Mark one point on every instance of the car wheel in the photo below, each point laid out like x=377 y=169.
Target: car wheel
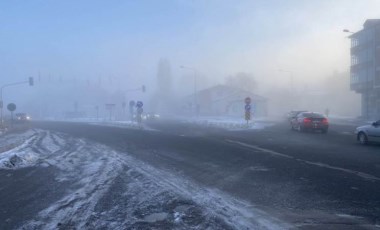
x=362 y=138
x=301 y=129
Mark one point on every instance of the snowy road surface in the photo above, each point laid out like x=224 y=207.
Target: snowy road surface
x=86 y=185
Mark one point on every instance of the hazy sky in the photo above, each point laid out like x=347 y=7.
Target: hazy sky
x=127 y=38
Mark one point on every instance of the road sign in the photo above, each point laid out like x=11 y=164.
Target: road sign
x=247 y=107
x=139 y=104
x=11 y=107
x=247 y=100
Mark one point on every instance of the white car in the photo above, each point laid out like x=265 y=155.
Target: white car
x=368 y=133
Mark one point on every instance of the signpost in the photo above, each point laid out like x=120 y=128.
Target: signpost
x=247 y=109
x=97 y=112
x=131 y=106
x=11 y=107
x=139 y=111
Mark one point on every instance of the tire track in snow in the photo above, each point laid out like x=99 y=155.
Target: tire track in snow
x=91 y=169
x=90 y=174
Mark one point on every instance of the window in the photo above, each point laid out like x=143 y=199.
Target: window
x=354 y=78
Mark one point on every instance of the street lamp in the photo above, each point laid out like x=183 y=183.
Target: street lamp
x=367 y=75
x=195 y=87
x=347 y=31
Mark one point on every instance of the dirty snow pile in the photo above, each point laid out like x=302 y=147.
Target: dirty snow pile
x=15 y=151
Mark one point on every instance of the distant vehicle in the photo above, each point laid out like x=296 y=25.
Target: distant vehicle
x=368 y=133
x=152 y=116
x=21 y=117
x=310 y=121
x=293 y=114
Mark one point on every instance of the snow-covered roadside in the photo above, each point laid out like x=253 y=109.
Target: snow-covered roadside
x=113 y=123
x=229 y=123
x=113 y=190
x=14 y=152
x=124 y=124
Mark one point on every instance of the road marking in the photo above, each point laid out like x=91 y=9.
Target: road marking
x=261 y=149
x=318 y=164
x=347 y=133
x=360 y=174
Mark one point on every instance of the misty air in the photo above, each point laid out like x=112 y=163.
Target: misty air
x=190 y=114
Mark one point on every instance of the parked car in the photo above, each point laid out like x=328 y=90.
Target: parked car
x=368 y=133
x=152 y=116
x=310 y=121
x=293 y=114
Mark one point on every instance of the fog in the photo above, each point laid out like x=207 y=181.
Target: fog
x=86 y=54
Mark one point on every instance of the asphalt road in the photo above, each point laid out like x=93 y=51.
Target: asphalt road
x=307 y=180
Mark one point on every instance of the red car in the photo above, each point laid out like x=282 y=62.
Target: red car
x=310 y=121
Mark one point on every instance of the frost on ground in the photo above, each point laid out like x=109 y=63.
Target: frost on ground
x=113 y=123
x=230 y=123
x=15 y=151
x=106 y=189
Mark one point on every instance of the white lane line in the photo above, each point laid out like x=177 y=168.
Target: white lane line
x=348 y=133
x=261 y=149
x=360 y=174
x=319 y=164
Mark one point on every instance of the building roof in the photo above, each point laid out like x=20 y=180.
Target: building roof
x=371 y=22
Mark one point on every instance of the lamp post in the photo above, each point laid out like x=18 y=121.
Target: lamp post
x=195 y=87
x=367 y=74
x=31 y=83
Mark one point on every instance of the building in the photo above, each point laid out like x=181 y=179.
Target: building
x=222 y=100
x=365 y=67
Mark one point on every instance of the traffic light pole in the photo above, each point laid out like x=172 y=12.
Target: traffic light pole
x=30 y=81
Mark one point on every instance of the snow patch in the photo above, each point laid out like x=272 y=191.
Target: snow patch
x=232 y=124
x=156 y=217
x=19 y=157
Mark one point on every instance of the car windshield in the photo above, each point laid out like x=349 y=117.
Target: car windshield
x=189 y=114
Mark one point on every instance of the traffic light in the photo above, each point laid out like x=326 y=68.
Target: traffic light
x=143 y=88
x=31 y=81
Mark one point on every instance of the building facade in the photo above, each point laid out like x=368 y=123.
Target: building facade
x=365 y=67
x=222 y=100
